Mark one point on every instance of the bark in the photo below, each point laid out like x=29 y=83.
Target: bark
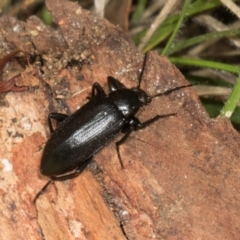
x=181 y=176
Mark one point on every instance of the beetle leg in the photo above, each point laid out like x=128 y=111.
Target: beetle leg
x=120 y=142
x=78 y=171
x=135 y=124
x=114 y=84
x=140 y=125
x=56 y=116
x=42 y=190
x=97 y=90
x=132 y=124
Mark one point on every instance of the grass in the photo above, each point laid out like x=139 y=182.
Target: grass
x=200 y=37
x=180 y=52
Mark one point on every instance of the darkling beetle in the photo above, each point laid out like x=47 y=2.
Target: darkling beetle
x=80 y=136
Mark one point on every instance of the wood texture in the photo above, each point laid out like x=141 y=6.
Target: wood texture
x=181 y=176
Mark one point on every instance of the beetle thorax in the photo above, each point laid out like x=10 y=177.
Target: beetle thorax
x=128 y=101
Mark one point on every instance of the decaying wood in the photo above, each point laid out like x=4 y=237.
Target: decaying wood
x=181 y=176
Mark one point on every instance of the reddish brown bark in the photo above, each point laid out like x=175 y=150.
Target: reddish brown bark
x=181 y=176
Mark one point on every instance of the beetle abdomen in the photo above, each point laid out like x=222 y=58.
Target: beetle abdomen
x=81 y=136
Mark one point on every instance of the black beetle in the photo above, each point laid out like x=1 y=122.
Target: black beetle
x=80 y=136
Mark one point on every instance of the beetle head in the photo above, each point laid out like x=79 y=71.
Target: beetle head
x=115 y=85
x=143 y=98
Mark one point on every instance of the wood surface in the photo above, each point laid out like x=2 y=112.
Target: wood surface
x=182 y=174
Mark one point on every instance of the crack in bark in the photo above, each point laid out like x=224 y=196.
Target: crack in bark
x=123 y=230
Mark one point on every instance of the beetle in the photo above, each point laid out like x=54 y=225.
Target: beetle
x=81 y=135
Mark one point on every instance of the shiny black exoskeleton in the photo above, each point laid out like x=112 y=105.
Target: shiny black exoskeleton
x=80 y=136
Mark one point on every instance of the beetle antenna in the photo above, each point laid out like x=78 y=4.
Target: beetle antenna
x=172 y=90
x=142 y=71
x=42 y=190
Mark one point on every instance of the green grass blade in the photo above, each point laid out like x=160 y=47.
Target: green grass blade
x=179 y=23
x=170 y=23
x=195 y=40
x=232 y=101
x=141 y=5
x=205 y=64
